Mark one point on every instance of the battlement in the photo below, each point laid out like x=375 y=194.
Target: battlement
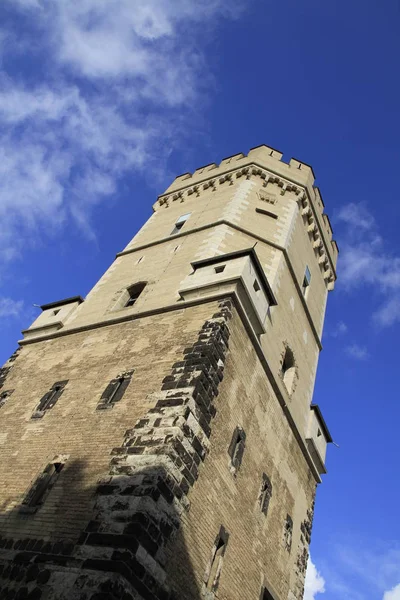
x=266 y=156
x=264 y=162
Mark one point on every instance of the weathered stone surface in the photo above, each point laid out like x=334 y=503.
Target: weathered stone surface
x=147 y=486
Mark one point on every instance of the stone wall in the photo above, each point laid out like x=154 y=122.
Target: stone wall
x=148 y=484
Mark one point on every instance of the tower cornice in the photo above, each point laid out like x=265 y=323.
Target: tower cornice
x=307 y=195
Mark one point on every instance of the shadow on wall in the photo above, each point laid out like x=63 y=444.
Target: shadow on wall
x=121 y=554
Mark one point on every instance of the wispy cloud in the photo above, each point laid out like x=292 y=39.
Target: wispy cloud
x=356 y=569
x=357 y=352
x=315 y=583
x=10 y=307
x=365 y=261
x=112 y=92
x=339 y=329
x=393 y=594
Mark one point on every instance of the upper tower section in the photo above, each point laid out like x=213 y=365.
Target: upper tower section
x=252 y=228
x=274 y=182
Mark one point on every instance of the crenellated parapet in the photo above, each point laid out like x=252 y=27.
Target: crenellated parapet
x=265 y=164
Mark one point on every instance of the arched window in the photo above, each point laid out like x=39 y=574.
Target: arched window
x=134 y=292
x=288 y=370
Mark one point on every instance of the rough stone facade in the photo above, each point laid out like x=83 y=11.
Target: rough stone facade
x=199 y=483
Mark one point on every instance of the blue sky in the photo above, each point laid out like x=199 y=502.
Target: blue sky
x=100 y=108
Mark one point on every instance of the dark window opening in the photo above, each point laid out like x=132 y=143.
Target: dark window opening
x=268 y=213
x=134 y=292
x=42 y=486
x=288 y=361
x=288 y=370
x=220 y=269
x=256 y=286
x=306 y=282
x=236 y=448
x=265 y=494
x=4 y=396
x=49 y=399
x=265 y=595
x=214 y=569
x=180 y=223
x=56 y=312
x=288 y=533
x=114 y=391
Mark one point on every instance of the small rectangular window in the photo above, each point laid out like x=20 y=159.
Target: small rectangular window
x=4 y=396
x=265 y=494
x=114 y=391
x=306 y=281
x=213 y=571
x=42 y=486
x=268 y=213
x=134 y=292
x=265 y=595
x=288 y=533
x=49 y=399
x=180 y=223
x=236 y=449
x=219 y=269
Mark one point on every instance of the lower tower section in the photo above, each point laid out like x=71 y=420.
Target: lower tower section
x=207 y=494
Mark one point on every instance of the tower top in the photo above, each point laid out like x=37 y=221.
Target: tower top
x=264 y=162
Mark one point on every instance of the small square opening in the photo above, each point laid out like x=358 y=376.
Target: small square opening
x=220 y=268
x=256 y=286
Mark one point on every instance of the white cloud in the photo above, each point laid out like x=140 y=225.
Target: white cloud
x=10 y=308
x=315 y=583
x=113 y=93
x=393 y=594
x=364 y=262
x=339 y=329
x=357 y=215
x=357 y=352
x=376 y=564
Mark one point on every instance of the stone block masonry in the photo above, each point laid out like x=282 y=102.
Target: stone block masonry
x=140 y=513
x=152 y=445
x=137 y=508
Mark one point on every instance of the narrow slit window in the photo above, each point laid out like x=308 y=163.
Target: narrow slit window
x=306 y=282
x=265 y=494
x=134 y=292
x=42 y=486
x=115 y=391
x=288 y=533
x=288 y=370
x=213 y=572
x=49 y=399
x=180 y=223
x=220 y=269
x=236 y=449
x=4 y=397
x=267 y=213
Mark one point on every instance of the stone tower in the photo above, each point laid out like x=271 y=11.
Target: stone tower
x=158 y=439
